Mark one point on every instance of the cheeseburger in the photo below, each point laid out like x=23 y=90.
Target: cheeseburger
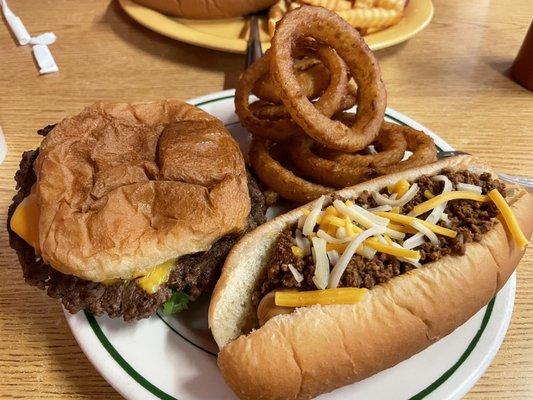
x=128 y=207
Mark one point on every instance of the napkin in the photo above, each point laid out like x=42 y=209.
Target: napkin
x=40 y=43
x=44 y=59
x=16 y=25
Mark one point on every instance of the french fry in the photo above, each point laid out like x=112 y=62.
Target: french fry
x=277 y=11
x=397 y=5
x=364 y=4
x=367 y=16
x=363 y=18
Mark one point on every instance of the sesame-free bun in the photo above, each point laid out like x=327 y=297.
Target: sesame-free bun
x=317 y=349
x=124 y=187
x=207 y=9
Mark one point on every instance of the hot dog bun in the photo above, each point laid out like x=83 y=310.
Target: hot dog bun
x=320 y=348
x=207 y=9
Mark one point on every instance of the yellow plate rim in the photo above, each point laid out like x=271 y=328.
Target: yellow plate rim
x=418 y=14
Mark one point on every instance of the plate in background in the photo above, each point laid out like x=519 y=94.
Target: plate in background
x=230 y=34
x=174 y=357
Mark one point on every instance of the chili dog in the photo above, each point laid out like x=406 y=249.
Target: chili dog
x=357 y=281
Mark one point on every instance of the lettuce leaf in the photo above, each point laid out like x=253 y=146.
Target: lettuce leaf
x=178 y=302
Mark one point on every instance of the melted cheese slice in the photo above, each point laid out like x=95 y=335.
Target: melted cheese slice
x=25 y=221
x=156 y=277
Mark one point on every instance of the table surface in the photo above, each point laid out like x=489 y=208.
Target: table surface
x=452 y=77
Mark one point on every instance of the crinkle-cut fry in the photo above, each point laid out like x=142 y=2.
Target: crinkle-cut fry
x=275 y=13
x=373 y=29
x=278 y=11
x=293 y=5
x=364 y=4
x=370 y=17
x=335 y=5
x=397 y=5
x=272 y=26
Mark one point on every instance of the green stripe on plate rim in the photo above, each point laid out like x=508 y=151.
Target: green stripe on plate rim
x=93 y=323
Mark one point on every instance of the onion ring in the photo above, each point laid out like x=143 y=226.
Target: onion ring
x=324 y=171
x=390 y=143
x=350 y=99
x=327 y=27
x=266 y=110
x=422 y=146
x=282 y=129
x=312 y=75
x=280 y=179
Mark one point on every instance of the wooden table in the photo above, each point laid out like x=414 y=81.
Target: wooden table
x=452 y=77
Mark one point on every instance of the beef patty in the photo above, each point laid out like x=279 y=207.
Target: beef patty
x=193 y=274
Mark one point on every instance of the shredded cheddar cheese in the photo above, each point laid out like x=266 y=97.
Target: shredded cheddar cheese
x=349 y=226
x=365 y=218
x=297 y=251
x=340 y=247
x=392 y=250
x=333 y=220
x=510 y=219
x=405 y=219
x=332 y=229
x=376 y=245
x=324 y=297
x=345 y=228
x=402 y=228
x=441 y=198
x=332 y=211
x=401 y=187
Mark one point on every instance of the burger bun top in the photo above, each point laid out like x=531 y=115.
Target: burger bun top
x=124 y=187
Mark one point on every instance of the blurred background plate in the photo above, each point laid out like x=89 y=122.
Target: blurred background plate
x=230 y=34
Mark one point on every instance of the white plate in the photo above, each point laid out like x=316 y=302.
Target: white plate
x=175 y=357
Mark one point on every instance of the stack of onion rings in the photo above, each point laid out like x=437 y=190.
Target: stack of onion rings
x=328 y=28
x=327 y=104
x=304 y=144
